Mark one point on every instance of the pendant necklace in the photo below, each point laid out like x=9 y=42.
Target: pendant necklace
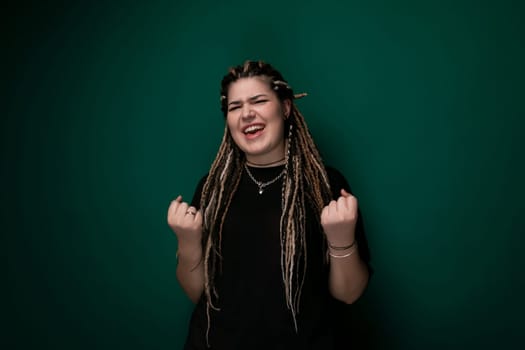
x=261 y=184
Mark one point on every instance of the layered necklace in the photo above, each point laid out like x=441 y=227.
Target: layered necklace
x=261 y=184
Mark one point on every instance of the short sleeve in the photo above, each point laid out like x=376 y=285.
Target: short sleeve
x=196 y=200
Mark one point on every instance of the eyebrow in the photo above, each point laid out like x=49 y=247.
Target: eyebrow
x=249 y=99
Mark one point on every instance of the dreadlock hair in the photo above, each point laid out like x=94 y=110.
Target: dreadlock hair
x=305 y=181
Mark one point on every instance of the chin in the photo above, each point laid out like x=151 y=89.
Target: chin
x=252 y=151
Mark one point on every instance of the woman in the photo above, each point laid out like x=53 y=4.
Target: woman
x=272 y=242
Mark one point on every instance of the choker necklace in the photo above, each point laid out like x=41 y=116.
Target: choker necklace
x=261 y=184
x=265 y=164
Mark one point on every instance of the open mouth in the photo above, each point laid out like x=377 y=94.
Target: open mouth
x=253 y=129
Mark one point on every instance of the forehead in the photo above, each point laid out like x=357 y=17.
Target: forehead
x=247 y=87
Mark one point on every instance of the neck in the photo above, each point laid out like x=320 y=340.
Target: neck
x=268 y=164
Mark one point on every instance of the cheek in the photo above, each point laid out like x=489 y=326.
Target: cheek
x=233 y=130
x=278 y=114
x=278 y=120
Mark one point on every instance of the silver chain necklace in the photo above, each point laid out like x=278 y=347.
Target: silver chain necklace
x=261 y=184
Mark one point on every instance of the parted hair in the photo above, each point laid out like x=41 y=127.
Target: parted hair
x=305 y=181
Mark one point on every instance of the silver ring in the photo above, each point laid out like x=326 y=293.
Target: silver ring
x=191 y=212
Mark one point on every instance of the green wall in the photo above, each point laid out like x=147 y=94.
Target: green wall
x=112 y=110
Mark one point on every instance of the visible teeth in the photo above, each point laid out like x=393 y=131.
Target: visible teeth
x=253 y=128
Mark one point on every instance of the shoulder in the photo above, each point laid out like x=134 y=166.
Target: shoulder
x=202 y=181
x=337 y=181
x=334 y=174
x=198 y=192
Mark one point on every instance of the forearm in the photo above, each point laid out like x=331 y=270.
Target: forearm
x=348 y=276
x=190 y=270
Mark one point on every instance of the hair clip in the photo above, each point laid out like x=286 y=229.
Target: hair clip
x=301 y=95
x=280 y=82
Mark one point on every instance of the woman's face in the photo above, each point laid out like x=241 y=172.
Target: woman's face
x=255 y=119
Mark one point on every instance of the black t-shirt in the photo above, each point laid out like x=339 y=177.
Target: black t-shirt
x=253 y=312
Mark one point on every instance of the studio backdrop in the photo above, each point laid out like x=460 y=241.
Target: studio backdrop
x=112 y=110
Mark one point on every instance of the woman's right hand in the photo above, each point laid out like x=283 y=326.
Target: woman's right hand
x=185 y=221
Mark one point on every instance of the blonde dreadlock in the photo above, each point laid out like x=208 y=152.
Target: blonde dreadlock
x=305 y=181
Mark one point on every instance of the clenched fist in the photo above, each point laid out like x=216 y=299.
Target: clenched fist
x=338 y=219
x=185 y=221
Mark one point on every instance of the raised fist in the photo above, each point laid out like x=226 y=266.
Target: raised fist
x=338 y=219
x=185 y=221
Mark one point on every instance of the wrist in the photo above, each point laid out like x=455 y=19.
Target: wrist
x=341 y=246
x=338 y=254
x=338 y=250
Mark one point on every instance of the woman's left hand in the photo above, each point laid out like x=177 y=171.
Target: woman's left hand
x=338 y=219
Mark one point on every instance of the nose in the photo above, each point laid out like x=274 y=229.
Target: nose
x=247 y=112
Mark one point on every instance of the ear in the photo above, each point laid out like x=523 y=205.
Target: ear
x=287 y=108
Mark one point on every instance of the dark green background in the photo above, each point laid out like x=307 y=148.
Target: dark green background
x=112 y=110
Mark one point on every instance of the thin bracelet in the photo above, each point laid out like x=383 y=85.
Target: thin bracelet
x=342 y=256
x=341 y=248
